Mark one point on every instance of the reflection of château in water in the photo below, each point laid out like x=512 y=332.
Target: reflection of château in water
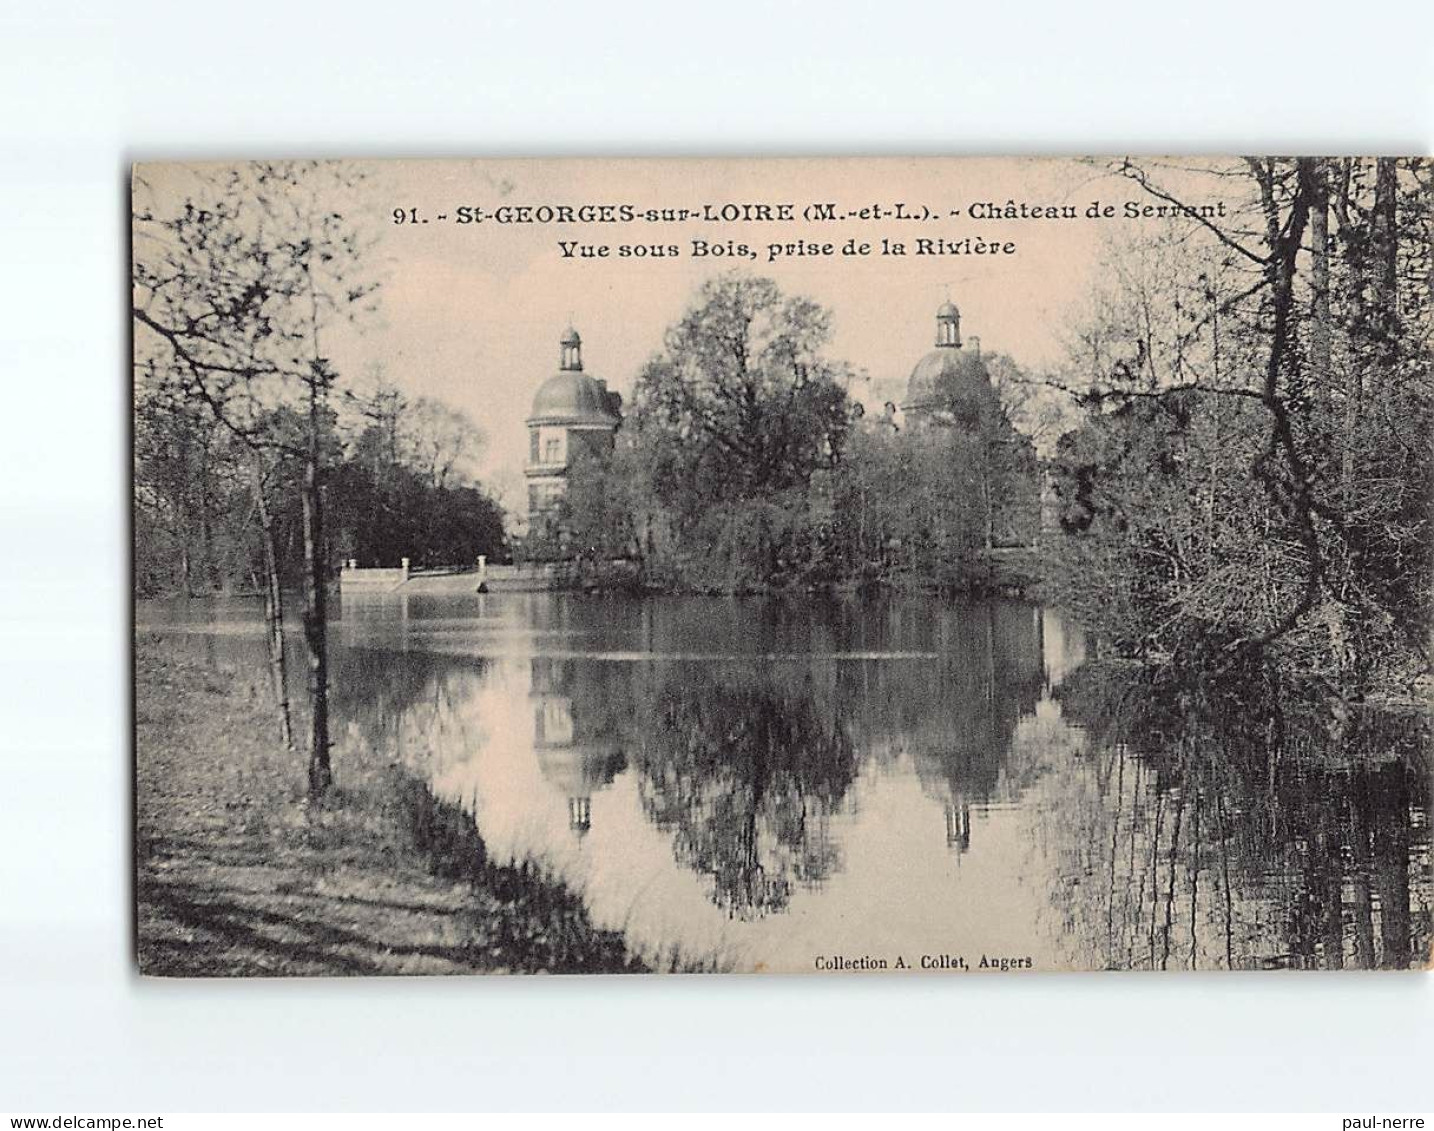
x=578 y=751
x=744 y=763
x=962 y=757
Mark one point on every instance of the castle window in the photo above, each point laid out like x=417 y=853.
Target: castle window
x=533 y=446
x=553 y=450
x=555 y=722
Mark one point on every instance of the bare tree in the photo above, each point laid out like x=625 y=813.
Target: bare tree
x=439 y=442
x=1274 y=349
x=238 y=274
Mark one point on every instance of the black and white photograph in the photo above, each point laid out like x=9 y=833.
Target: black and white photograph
x=904 y=530
x=840 y=566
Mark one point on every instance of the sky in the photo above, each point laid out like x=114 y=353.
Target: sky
x=471 y=314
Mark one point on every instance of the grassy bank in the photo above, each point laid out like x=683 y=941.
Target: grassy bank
x=235 y=877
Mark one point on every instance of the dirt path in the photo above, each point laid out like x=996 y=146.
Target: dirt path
x=234 y=877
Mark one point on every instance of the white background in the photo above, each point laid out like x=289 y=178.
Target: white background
x=82 y=92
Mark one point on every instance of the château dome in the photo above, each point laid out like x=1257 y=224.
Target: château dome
x=571 y=396
x=944 y=374
x=951 y=373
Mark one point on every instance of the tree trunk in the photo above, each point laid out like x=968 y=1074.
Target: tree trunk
x=1282 y=366
x=1319 y=282
x=316 y=615
x=207 y=571
x=1317 y=181
x=988 y=502
x=1386 y=248
x=273 y=610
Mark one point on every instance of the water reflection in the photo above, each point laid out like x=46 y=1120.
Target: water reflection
x=1213 y=830
x=745 y=771
x=578 y=735
x=778 y=780
x=961 y=749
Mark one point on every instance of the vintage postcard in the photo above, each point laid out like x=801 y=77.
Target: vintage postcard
x=932 y=566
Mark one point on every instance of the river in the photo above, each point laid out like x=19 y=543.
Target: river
x=795 y=785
